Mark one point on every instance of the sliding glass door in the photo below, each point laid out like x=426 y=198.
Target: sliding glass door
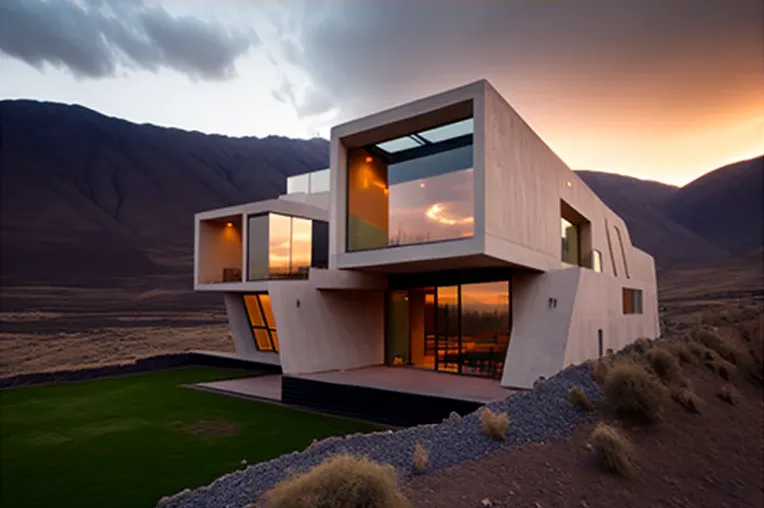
x=461 y=328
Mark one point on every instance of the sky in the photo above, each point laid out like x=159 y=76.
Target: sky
x=656 y=89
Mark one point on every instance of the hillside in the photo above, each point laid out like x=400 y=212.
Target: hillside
x=724 y=206
x=640 y=204
x=85 y=196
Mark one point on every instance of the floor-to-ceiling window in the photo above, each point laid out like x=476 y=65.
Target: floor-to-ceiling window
x=414 y=189
x=261 y=321
x=279 y=246
x=458 y=328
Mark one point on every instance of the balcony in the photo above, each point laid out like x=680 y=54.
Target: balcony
x=219 y=250
x=242 y=247
x=309 y=183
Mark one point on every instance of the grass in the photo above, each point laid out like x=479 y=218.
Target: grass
x=494 y=425
x=342 y=481
x=126 y=442
x=613 y=449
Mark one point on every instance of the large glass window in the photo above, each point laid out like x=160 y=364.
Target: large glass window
x=261 y=321
x=462 y=328
x=414 y=189
x=279 y=246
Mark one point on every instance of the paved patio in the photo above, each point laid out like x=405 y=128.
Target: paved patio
x=266 y=387
x=397 y=379
x=418 y=381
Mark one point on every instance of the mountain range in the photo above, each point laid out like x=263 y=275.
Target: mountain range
x=85 y=197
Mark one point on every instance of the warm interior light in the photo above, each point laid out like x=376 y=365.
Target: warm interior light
x=436 y=213
x=369 y=159
x=570 y=184
x=229 y=224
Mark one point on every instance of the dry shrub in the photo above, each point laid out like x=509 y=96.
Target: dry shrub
x=642 y=345
x=494 y=425
x=663 y=363
x=421 y=458
x=577 y=397
x=682 y=352
x=341 y=481
x=729 y=348
x=635 y=393
x=698 y=350
x=599 y=370
x=725 y=393
x=686 y=398
x=613 y=449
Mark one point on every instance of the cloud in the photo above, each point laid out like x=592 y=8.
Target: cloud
x=378 y=53
x=93 y=39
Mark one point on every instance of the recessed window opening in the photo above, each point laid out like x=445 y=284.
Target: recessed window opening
x=632 y=301
x=623 y=252
x=610 y=248
x=412 y=189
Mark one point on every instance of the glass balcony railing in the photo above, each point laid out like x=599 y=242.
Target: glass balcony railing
x=309 y=183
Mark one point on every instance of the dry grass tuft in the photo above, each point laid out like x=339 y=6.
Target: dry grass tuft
x=686 y=398
x=577 y=397
x=421 y=458
x=725 y=394
x=635 y=393
x=613 y=449
x=494 y=425
x=341 y=481
x=599 y=370
x=682 y=352
x=663 y=363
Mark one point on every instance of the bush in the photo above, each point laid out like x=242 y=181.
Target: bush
x=663 y=363
x=682 y=352
x=494 y=425
x=635 y=393
x=577 y=397
x=421 y=458
x=614 y=450
x=686 y=398
x=341 y=481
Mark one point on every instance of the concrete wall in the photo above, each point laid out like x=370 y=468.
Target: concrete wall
x=545 y=339
x=329 y=330
x=539 y=332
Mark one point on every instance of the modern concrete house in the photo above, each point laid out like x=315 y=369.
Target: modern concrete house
x=446 y=237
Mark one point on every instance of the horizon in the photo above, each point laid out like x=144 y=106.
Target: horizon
x=605 y=96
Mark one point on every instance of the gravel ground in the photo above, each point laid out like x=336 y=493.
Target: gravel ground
x=537 y=416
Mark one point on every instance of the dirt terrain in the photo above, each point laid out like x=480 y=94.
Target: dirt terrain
x=713 y=458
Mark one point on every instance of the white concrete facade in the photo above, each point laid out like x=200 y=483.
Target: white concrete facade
x=562 y=314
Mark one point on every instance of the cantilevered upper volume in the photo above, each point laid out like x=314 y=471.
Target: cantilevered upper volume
x=445 y=236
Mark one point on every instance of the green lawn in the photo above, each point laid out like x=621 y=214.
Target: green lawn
x=128 y=441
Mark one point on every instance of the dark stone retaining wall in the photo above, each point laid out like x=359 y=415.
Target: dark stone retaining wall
x=150 y=364
x=373 y=404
